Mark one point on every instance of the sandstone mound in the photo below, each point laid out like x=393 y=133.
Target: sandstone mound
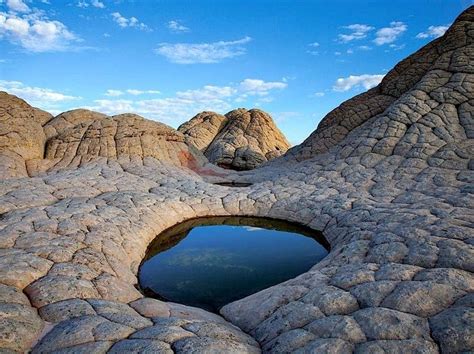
x=69 y=119
x=440 y=69
x=21 y=135
x=203 y=128
x=249 y=139
x=123 y=137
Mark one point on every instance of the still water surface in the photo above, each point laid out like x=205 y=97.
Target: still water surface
x=210 y=262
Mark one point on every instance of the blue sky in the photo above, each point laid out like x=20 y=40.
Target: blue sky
x=168 y=60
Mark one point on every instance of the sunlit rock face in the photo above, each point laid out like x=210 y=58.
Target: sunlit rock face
x=21 y=135
x=240 y=140
x=392 y=193
x=201 y=130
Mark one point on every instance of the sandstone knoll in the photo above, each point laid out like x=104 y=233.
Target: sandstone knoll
x=35 y=139
x=124 y=136
x=390 y=186
x=249 y=139
x=240 y=140
x=203 y=128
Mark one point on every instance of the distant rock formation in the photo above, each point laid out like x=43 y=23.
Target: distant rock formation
x=32 y=140
x=124 y=136
x=240 y=140
x=203 y=128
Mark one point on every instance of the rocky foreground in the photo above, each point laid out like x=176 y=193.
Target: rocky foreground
x=388 y=177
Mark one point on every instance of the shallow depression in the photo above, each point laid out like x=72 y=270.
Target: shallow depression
x=210 y=262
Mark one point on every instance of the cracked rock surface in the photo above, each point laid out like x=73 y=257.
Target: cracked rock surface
x=240 y=140
x=387 y=177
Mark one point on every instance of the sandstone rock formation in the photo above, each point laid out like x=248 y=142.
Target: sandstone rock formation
x=124 y=136
x=203 y=128
x=21 y=135
x=240 y=140
x=248 y=139
x=392 y=193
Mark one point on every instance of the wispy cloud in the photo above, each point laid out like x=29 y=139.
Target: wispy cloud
x=36 y=96
x=184 y=104
x=125 y=22
x=357 y=31
x=433 y=32
x=35 y=32
x=390 y=34
x=367 y=81
x=176 y=27
x=319 y=94
x=203 y=53
x=133 y=92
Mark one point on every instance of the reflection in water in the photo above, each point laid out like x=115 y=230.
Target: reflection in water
x=209 y=262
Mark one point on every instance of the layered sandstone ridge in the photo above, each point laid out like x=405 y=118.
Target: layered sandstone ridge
x=392 y=195
x=241 y=140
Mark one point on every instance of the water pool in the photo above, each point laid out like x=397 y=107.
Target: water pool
x=210 y=262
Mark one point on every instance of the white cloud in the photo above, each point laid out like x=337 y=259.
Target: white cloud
x=176 y=27
x=142 y=92
x=433 y=32
x=17 y=5
x=390 y=34
x=367 y=81
x=364 y=47
x=191 y=53
x=98 y=4
x=397 y=47
x=314 y=44
x=128 y=22
x=133 y=92
x=35 y=33
x=82 y=4
x=260 y=87
x=319 y=94
x=35 y=96
x=185 y=104
x=357 y=31
x=114 y=93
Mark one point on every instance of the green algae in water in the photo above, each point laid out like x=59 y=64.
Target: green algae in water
x=210 y=262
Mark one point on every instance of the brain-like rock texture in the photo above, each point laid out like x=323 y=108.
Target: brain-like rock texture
x=203 y=128
x=125 y=136
x=248 y=139
x=390 y=186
